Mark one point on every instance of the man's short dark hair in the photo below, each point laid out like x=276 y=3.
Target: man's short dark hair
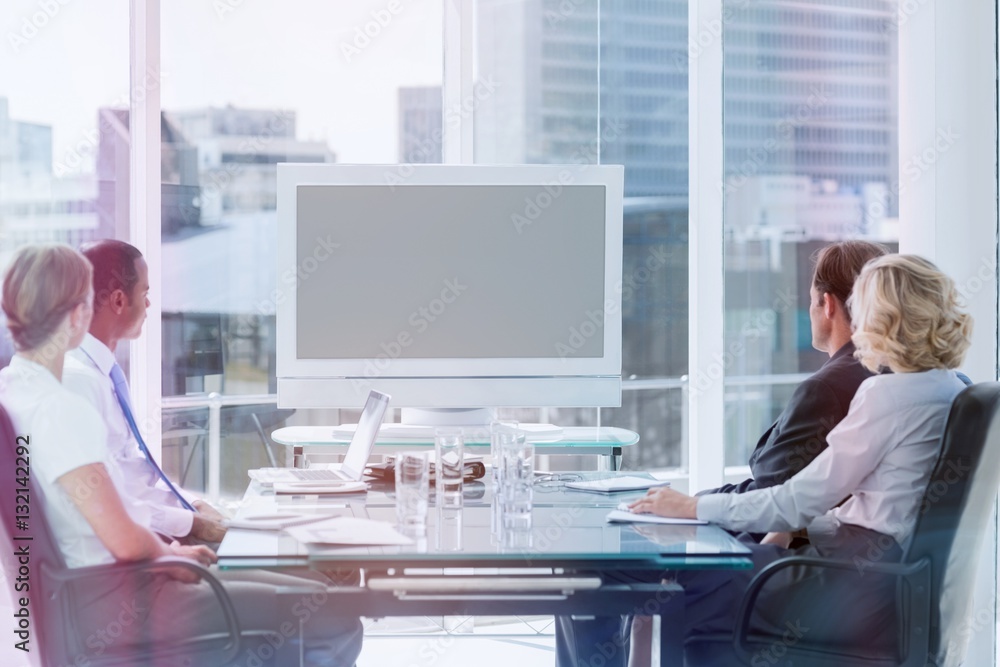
x=838 y=266
x=114 y=268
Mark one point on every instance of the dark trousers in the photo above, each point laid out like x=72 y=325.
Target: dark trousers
x=823 y=605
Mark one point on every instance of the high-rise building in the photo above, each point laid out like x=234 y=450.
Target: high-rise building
x=238 y=150
x=810 y=88
x=35 y=204
x=25 y=149
x=809 y=144
x=420 y=124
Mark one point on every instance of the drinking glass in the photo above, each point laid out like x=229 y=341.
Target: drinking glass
x=412 y=490
x=449 y=467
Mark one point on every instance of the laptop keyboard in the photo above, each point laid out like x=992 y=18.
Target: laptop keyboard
x=315 y=475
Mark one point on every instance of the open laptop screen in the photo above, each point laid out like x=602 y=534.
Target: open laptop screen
x=364 y=436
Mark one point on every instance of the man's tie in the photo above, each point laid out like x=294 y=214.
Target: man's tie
x=121 y=392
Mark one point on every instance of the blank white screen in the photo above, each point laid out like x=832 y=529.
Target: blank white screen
x=448 y=271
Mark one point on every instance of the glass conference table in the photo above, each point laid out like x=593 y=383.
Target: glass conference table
x=604 y=441
x=466 y=567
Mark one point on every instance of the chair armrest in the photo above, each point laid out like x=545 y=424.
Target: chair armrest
x=918 y=574
x=70 y=575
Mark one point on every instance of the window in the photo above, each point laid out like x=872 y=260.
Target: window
x=630 y=109
x=64 y=91
x=302 y=81
x=809 y=158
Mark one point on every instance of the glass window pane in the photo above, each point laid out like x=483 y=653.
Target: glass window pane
x=246 y=86
x=64 y=141
x=810 y=112
x=606 y=83
x=270 y=82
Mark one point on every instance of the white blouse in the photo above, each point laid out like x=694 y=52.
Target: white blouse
x=64 y=433
x=881 y=455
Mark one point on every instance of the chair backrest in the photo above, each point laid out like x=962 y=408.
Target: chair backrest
x=955 y=514
x=48 y=636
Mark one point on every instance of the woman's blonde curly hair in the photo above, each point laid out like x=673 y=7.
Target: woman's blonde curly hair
x=906 y=316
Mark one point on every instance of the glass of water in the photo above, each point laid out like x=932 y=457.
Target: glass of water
x=516 y=479
x=449 y=467
x=412 y=490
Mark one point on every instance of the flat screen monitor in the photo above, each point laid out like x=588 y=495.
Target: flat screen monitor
x=449 y=286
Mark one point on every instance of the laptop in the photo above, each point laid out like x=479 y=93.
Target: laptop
x=358 y=452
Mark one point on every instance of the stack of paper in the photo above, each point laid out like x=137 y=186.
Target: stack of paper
x=276 y=521
x=613 y=484
x=350 y=531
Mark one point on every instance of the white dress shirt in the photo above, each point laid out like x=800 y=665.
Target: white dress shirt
x=881 y=455
x=64 y=433
x=87 y=373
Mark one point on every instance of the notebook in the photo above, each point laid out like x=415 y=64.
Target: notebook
x=358 y=453
x=615 y=484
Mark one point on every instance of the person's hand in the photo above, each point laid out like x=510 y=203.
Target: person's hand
x=198 y=553
x=208 y=511
x=781 y=539
x=666 y=502
x=207 y=529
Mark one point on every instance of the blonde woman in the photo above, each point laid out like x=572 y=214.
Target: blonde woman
x=860 y=497
x=47 y=298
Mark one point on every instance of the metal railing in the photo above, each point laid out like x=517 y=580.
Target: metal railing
x=214 y=402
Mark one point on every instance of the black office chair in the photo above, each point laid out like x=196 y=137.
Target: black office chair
x=934 y=581
x=53 y=593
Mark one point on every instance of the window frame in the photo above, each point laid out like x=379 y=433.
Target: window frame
x=932 y=40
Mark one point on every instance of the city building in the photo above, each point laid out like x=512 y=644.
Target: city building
x=420 y=124
x=237 y=151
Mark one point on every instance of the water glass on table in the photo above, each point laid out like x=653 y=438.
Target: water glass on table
x=516 y=480
x=449 y=467
x=412 y=491
x=501 y=430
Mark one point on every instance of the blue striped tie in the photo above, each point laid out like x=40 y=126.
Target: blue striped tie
x=121 y=392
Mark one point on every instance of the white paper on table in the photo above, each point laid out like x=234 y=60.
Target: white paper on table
x=332 y=486
x=275 y=521
x=614 y=484
x=349 y=530
x=624 y=516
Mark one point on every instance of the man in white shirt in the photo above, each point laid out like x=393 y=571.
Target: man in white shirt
x=121 y=288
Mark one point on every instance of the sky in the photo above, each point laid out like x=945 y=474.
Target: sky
x=62 y=59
